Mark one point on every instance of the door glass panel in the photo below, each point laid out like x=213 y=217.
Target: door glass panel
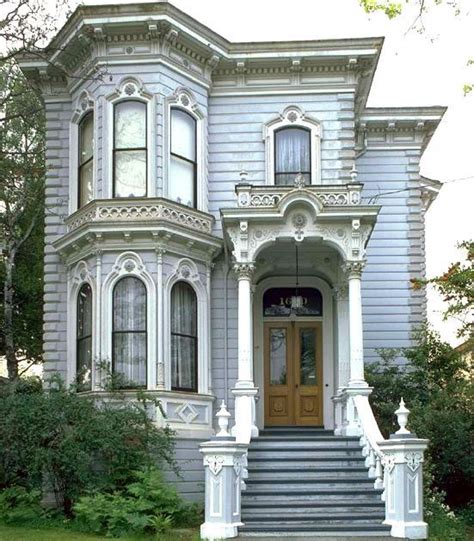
x=308 y=357
x=278 y=356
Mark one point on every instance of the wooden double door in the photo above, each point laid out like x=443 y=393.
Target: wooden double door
x=293 y=373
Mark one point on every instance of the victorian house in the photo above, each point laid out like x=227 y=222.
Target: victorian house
x=230 y=222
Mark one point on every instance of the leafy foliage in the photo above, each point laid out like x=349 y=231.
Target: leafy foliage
x=17 y=505
x=438 y=389
x=73 y=444
x=147 y=505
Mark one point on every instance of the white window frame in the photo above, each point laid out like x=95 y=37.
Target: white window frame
x=186 y=271
x=184 y=99
x=84 y=105
x=129 y=89
x=130 y=264
x=293 y=117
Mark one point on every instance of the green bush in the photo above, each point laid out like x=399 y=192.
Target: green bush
x=443 y=524
x=438 y=389
x=148 y=505
x=71 y=444
x=20 y=505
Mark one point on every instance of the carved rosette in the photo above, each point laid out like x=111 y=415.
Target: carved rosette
x=244 y=271
x=214 y=463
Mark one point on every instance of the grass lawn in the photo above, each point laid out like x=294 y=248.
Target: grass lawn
x=23 y=533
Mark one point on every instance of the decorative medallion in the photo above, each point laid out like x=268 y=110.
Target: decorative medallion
x=129 y=50
x=129 y=89
x=129 y=265
x=185 y=100
x=389 y=462
x=413 y=460
x=215 y=464
x=187 y=412
x=292 y=116
x=300 y=181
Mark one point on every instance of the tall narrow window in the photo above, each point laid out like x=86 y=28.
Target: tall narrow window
x=129 y=335
x=184 y=339
x=183 y=165
x=84 y=338
x=85 y=177
x=292 y=155
x=130 y=149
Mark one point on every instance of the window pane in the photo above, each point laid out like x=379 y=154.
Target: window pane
x=183 y=309
x=183 y=362
x=86 y=174
x=84 y=338
x=278 y=356
x=130 y=305
x=84 y=311
x=308 y=356
x=84 y=364
x=130 y=173
x=292 y=153
x=86 y=138
x=130 y=125
x=181 y=181
x=285 y=179
x=129 y=354
x=183 y=134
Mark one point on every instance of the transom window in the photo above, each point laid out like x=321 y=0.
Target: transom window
x=86 y=160
x=183 y=164
x=129 y=332
x=184 y=340
x=292 y=155
x=84 y=338
x=130 y=149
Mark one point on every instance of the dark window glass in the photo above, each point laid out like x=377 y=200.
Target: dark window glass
x=129 y=334
x=184 y=339
x=292 y=155
x=183 y=165
x=130 y=149
x=84 y=338
x=308 y=357
x=277 y=302
x=86 y=160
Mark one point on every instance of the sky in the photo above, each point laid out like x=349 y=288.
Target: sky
x=427 y=68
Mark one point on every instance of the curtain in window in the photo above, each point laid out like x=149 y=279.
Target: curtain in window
x=183 y=337
x=86 y=160
x=130 y=149
x=84 y=338
x=182 y=175
x=129 y=335
x=292 y=155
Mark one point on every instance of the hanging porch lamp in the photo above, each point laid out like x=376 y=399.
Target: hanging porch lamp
x=296 y=299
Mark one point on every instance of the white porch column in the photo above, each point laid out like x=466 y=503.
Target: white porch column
x=245 y=389
x=356 y=379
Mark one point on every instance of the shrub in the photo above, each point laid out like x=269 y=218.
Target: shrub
x=71 y=444
x=438 y=390
x=148 y=505
x=20 y=505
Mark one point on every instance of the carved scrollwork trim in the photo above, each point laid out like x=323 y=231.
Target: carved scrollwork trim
x=214 y=463
x=244 y=271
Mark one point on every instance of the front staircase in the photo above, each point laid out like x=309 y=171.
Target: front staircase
x=307 y=481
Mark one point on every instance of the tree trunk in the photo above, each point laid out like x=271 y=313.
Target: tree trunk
x=12 y=363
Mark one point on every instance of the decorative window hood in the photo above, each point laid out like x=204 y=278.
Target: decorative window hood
x=110 y=224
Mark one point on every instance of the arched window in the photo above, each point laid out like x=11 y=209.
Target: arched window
x=129 y=331
x=184 y=341
x=292 y=155
x=85 y=174
x=130 y=149
x=84 y=338
x=183 y=164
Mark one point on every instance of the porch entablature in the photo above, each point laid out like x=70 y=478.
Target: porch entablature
x=330 y=213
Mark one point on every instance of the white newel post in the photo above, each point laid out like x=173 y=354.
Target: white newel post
x=403 y=461
x=224 y=463
x=245 y=390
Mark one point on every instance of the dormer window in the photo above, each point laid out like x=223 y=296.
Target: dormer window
x=86 y=160
x=292 y=155
x=183 y=162
x=130 y=149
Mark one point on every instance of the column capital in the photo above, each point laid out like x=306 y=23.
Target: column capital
x=244 y=271
x=353 y=269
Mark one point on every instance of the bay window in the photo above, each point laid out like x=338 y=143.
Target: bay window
x=183 y=163
x=129 y=331
x=130 y=149
x=184 y=340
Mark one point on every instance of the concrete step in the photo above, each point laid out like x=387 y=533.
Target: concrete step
x=296 y=495
x=304 y=443
x=305 y=483
x=320 y=536
x=297 y=518
x=281 y=507
x=302 y=453
x=296 y=473
x=344 y=529
x=275 y=462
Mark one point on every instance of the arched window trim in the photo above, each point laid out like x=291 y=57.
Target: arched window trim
x=85 y=105
x=186 y=270
x=195 y=338
x=130 y=264
x=77 y=277
x=184 y=99
x=128 y=331
x=129 y=89
x=292 y=116
x=80 y=339
x=275 y=150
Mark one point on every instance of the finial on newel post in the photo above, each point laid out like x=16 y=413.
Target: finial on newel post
x=223 y=416
x=402 y=418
